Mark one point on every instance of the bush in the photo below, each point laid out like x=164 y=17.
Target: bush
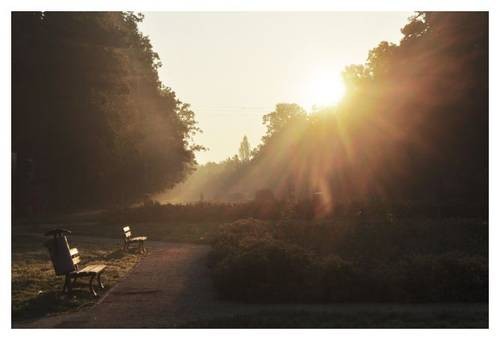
x=269 y=208
x=449 y=277
x=231 y=237
x=338 y=278
x=258 y=261
x=264 y=269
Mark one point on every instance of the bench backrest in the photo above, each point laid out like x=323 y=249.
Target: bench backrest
x=127 y=233
x=75 y=257
x=64 y=259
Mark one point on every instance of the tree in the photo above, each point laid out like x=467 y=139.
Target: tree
x=413 y=127
x=90 y=112
x=244 y=151
x=283 y=115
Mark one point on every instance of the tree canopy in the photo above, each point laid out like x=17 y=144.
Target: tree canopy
x=92 y=125
x=413 y=125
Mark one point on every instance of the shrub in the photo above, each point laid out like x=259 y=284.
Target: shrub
x=259 y=261
x=230 y=237
x=338 y=278
x=264 y=269
x=449 y=277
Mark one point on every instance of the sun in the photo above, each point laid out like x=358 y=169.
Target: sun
x=323 y=89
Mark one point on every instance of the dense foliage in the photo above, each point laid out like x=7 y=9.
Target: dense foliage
x=413 y=126
x=266 y=207
x=92 y=125
x=417 y=260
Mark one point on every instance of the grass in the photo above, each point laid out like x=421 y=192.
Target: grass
x=166 y=232
x=358 y=316
x=36 y=291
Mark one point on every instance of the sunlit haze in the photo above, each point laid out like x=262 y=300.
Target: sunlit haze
x=234 y=67
x=347 y=168
x=322 y=89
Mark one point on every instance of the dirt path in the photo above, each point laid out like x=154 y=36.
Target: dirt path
x=171 y=287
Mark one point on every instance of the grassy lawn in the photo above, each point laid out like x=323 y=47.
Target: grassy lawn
x=36 y=291
x=359 y=316
x=166 y=232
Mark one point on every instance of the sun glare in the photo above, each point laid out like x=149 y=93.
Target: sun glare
x=323 y=90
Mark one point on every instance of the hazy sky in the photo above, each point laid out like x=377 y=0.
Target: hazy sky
x=234 y=67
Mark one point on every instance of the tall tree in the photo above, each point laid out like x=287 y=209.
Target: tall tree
x=244 y=151
x=90 y=113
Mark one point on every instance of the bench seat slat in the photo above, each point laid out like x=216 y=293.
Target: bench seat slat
x=138 y=238
x=93 y=268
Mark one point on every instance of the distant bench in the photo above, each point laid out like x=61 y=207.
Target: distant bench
x=128 y=239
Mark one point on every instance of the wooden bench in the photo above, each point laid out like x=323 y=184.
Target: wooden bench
x=66 y=262
x=92 y=271
x=128 y=239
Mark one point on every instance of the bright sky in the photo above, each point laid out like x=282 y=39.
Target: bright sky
x=234 y=67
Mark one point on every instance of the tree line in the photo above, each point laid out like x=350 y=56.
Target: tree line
x=92 y=124
x=413 y=127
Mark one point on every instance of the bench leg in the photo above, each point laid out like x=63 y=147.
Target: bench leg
x=101 y=285
x=91 y=286
x=143 y=250
x=67 y=284
x=70 y=287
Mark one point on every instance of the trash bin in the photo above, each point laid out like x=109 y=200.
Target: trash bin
x=59 y=251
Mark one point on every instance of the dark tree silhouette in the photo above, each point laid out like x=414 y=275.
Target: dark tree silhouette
x=89 y=114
